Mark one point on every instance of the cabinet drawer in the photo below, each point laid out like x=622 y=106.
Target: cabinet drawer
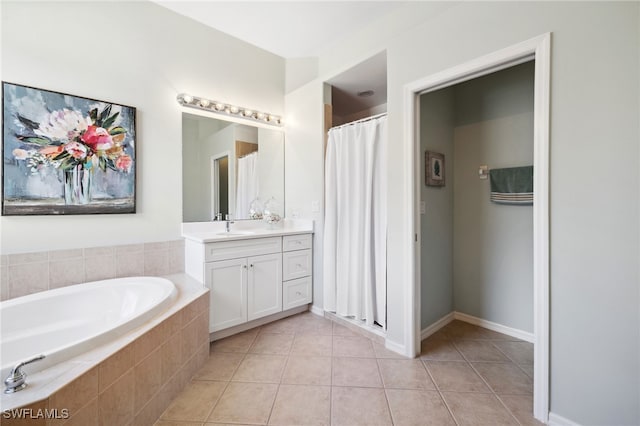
x=296 y=242
x=296 y=264
x=296 y=293
x=241 y=248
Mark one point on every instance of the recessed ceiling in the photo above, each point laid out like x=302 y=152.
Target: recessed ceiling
x=291 y=29
x=369 y=75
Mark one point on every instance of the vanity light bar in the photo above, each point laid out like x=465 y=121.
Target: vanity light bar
x=223 y=108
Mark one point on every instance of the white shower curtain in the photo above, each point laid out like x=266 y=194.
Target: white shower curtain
x=247 y=185
x=355 y=230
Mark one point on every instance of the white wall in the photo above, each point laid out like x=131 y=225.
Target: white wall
x=437 y=115
x=493 y=243
x=138 y=54
x=594 y=202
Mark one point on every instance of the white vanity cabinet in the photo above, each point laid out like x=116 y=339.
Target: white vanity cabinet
x=251 y=278
x=297 y=269
x=243 y=289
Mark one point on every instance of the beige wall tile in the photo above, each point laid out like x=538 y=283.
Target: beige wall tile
x=65 y=254
x=78 y=393
x=99 y=268
x=130 y=264
x=66 y=272
x=176 y=260
x=156 y=263
x=4 y=260
x=157 y=246
x=148 y=379
x=116 y=402
x=122 y=362
x=85 y=416
x=99 y=251
x=22 y=258
x=129 y=248
x=177 y=243
x=171 y=357
x=40 y=405
x=189 y=340
x=28 y=278
x=4 y=282
x=148 y=342
x=189 y=313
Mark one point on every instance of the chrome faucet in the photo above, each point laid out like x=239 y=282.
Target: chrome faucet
x=17 y=378
x=228 y=223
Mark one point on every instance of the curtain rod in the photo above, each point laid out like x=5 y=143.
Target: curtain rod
x=362 y=120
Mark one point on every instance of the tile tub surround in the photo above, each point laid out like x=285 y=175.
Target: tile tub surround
x=131 y=380
x=25 y=273
x=308 y=370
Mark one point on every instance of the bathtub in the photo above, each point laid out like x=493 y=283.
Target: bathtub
x=68 y=321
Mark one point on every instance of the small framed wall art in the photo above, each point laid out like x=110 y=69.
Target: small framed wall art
x=434 y=168
x=65 y=154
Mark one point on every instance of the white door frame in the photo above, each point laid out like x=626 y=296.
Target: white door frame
x=215 y=181
x=538 y=48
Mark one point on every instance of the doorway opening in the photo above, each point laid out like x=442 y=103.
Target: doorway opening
x=538 y=51
x=220 y=185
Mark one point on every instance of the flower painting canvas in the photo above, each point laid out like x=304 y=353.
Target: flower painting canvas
x=65 y=154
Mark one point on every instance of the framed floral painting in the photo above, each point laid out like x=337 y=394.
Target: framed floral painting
x=65 y=154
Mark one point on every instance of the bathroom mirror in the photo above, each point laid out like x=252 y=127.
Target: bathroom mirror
x=226 y=165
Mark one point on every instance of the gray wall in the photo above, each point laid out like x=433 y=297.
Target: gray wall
x=476 y=256
x=493 y=243
x=436 y=225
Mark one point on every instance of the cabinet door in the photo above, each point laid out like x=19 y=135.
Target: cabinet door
x=227 y=280
x=264 y=285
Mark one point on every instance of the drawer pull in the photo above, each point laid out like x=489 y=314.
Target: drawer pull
x=298 y=293
x=244 y=266
x=251 y=265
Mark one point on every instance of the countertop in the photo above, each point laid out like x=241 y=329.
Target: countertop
x=210 y=232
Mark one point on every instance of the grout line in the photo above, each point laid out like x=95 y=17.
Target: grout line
x=440 y=392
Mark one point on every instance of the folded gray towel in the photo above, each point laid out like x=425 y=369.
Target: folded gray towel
x=513 y=185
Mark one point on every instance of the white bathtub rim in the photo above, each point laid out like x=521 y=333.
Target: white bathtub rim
x=74 y=348
x=43 y=384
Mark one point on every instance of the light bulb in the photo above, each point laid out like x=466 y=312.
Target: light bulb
x=219 y=106
x=187 y=98
x=233 y=109
x=204 y=103
x=260 y=116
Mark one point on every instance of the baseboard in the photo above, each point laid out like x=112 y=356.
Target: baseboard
x=556 y=420
x=397 y=348
x=315 y=310
x=490 y=325
x=513 y=332
x=437 y=325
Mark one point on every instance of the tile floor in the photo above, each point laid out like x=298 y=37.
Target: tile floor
x=307 y=370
